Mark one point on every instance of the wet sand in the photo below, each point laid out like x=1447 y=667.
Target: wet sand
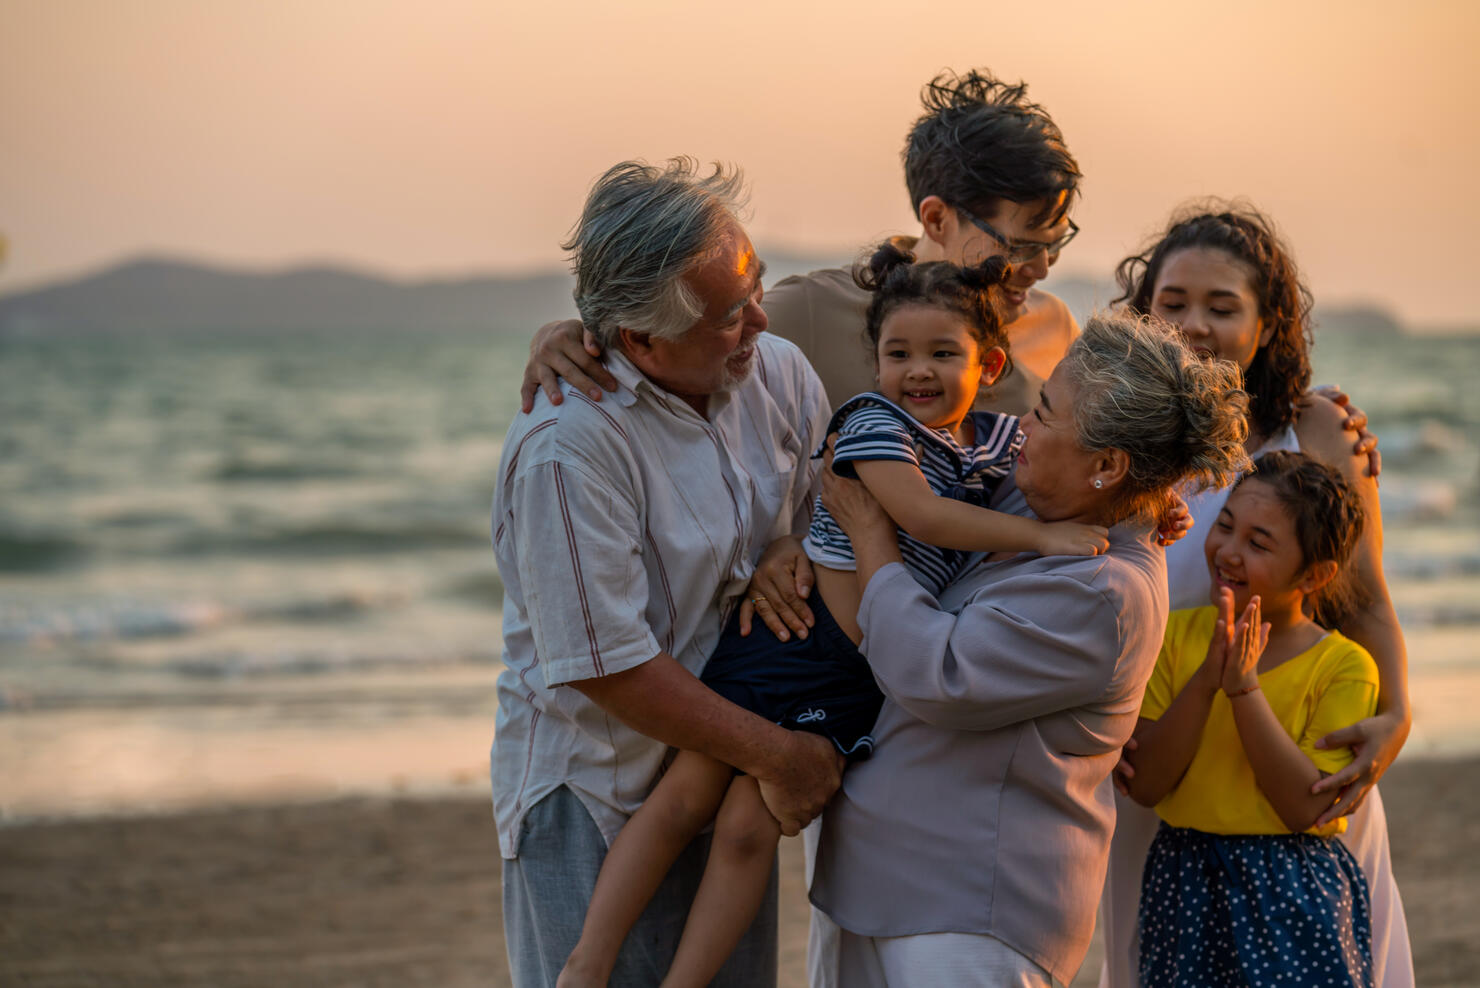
x=406 y=892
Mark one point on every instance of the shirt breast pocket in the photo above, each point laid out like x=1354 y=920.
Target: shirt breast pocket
x=778 y=485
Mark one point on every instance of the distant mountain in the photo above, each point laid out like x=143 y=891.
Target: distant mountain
x=166 y=295
x=169 y=295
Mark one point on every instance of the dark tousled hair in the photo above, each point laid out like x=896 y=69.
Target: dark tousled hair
x=981 y=141
x=1328 y=516
x=896 y=280
x=1280 y=371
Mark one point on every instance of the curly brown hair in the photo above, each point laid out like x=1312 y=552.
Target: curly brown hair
x=1280 y=372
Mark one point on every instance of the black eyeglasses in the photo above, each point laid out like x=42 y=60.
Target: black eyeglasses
x=1020 y=251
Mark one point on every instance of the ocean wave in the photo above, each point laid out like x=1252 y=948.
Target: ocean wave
x=249 y=469
x=97 y=620
x=30 y=552
x=1415 y=501
x=248 y=664
x=337 y=538
x=1423 y=443
x=91 y=620
x=378 y=441
x=99 y=537
x=344 y=698
x=1423 y=569
x=1454 y=614
x=143 y=518
x=483 y=588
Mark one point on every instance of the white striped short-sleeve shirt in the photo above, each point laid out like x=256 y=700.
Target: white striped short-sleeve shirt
x=871 y=427
x=624 y=528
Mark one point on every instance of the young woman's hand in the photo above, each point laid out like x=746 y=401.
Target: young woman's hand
x=564 y=350
x=1070 y=538
x=1356 y=421
x=1374 y=742
x=779 y=589
x=1245 y=645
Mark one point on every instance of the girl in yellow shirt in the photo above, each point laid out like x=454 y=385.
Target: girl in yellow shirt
x=1241 y=886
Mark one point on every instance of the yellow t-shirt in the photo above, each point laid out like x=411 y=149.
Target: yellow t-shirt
x=1331 y=685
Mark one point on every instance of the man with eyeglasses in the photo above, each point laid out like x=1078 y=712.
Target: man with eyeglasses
x=988 y=173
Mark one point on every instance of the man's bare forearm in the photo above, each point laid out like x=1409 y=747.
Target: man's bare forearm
x=664 y=701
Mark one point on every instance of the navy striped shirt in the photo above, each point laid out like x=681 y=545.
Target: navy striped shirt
x=871 y=427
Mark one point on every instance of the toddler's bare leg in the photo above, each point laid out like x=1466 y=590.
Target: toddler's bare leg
x=684 y=801
x=735 y=880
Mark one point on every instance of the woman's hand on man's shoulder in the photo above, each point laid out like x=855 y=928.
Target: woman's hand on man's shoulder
x=1332 y=428
x=564 y=350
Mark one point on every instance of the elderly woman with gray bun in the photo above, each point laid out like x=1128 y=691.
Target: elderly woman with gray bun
x=970 y=850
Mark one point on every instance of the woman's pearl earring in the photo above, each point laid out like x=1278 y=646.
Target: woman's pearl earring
x=1099 y=483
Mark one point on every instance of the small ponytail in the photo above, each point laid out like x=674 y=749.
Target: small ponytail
x=872 y=275
x=897 y=280
x=989 y=273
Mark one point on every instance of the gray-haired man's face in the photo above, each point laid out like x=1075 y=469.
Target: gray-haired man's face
x=716 y=353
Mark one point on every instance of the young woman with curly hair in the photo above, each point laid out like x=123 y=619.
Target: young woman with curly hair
x=1222 y=274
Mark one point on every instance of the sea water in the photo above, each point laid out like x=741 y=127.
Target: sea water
x=258 y=567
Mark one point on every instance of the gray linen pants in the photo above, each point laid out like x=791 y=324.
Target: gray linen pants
x=547 y=887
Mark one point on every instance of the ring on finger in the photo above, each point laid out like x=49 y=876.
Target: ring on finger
x=758 y=600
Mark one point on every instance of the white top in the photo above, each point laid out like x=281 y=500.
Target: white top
x=623 y=529
x=1187 y=566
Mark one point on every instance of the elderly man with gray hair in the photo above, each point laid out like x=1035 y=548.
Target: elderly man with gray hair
x=625 y=533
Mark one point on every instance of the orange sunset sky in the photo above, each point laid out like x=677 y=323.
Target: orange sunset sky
x=451 y=136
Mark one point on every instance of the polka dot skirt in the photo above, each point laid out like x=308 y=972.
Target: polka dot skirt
x=1282 y=909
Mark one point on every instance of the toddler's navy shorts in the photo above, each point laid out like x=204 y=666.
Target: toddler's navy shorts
x=821 y=684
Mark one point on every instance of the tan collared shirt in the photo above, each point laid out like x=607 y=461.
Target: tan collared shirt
x=824 y=313
x=624 y=528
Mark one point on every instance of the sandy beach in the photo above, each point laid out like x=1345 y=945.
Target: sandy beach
x=406 y=892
